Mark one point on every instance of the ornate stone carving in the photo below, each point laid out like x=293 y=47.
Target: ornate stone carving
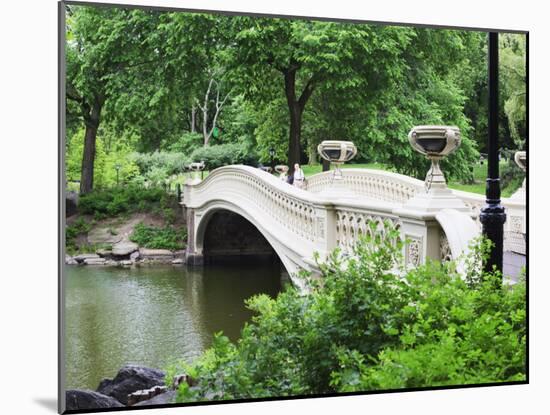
x=516 y=224
x=445 y=253
x=321 y=230
x=413 y=251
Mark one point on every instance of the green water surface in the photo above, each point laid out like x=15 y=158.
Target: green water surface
x=152 y=315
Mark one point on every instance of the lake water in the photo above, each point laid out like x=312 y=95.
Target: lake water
x=152 y=315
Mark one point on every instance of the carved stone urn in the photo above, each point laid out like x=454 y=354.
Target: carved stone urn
x=338 y=153
x=196 y=167
x=435 y=142
x=282 y=170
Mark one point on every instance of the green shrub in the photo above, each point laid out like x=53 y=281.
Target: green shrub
x=158 y=238
x=78 y=227
x=111 y=202
x=186 y=143
x=365 y=328
x=215 y=156
x=167 y=162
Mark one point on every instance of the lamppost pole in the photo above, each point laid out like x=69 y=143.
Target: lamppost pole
x=492 y=216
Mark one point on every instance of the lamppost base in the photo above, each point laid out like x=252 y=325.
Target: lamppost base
x=492 y=218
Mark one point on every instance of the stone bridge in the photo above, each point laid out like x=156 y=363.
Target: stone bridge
x=254 y=212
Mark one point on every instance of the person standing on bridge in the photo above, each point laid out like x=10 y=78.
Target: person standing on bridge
x=299 y=177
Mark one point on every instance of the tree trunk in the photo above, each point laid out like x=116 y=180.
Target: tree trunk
x=294 y=147
x=312 y=156
x=88 y=156
x=295 y=109
x=295 y=113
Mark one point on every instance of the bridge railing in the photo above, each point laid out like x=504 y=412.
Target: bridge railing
x=398 y=188
x=300 y=222
x=374 y=184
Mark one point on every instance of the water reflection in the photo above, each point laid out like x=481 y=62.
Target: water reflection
x=149 y=316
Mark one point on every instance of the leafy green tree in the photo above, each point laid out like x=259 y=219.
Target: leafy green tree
x=514 y=81
x=108 y=53
x=302 y=56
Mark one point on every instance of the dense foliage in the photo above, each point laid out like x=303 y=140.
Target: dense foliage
x=361 y=327
x=224 y=154
x=112 y=202
x=158 y=238
x=187 y=83
x=72 y=231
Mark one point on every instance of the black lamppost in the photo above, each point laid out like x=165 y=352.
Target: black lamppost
x=492 y=216
x=272 y=156
x=117 y=168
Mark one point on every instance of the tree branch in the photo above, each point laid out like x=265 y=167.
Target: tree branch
x=306 y=93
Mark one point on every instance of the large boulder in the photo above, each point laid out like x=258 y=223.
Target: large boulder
x=124 y=248
x=129 y=379
x=76 y=399
x=162 y=399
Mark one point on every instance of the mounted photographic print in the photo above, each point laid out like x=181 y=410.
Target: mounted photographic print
x=275 y=207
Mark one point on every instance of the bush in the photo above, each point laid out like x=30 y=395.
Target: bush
x=111 y=202
x=365 y=328
x=167 y=162
x=224 y=154
x=158 y=238
x=78 y=227
x=186 y=143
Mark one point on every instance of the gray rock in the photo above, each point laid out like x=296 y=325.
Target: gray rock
x=126 y=263
x=124 y=248
x=86 y=399
x=134 y=256
x=156 y=255
x=146 y=252
x=104 y=253
x=145 y=394
x=162 y=399
x=129 y=379
x=94 y=261
x=177 y=261
x=69 y=260
x=80 y=258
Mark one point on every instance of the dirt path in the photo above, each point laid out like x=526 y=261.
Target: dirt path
x=111 y=231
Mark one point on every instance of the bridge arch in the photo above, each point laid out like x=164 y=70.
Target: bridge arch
x=204 y=216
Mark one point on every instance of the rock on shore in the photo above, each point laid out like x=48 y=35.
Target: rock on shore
x=130 y=379
x=87 y=399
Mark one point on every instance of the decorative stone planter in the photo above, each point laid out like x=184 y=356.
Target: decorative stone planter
x=282 y=170
x=435 y=142
x=338 y=153
x=196 y=168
